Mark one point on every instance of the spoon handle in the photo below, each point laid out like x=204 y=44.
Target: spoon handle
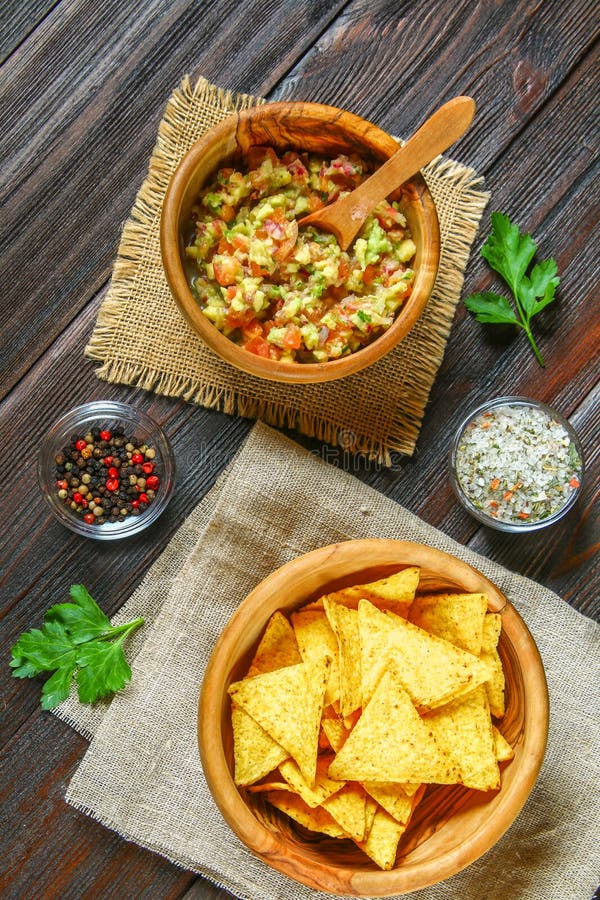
x=346 y=216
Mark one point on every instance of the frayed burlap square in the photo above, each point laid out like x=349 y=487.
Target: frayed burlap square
x=142 y=775
x=381 y=407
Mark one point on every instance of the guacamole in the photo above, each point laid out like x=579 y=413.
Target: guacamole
x=293 y=294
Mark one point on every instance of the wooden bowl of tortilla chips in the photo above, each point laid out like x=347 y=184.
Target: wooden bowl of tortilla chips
x=373 y=718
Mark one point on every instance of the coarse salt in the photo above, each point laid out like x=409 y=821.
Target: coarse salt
x=517 y=464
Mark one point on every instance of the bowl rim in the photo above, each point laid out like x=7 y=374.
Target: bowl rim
x=274 y=370
x=86 y=413
x=497 y=524
x=407 y=877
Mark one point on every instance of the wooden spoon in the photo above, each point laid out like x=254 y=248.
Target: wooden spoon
x=345 y=217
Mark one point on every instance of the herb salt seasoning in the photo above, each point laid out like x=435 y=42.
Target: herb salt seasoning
x=517 y=463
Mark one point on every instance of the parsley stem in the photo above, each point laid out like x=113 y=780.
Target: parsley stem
x=120 y=629
x=529 y=334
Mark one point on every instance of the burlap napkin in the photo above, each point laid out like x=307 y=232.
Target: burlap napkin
x=142 y=776
x=381 y=407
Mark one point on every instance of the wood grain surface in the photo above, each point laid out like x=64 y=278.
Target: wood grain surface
x=83 y=88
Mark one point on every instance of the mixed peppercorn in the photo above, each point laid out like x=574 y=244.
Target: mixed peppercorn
x=105 y=476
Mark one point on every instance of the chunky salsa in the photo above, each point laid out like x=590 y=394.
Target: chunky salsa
x=293 y=294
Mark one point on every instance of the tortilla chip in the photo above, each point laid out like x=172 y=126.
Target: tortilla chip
x=313 y=795
x=317 y=819
x=278 y=647
x=502 y=748
x=316 y=639
x=371 y=808
x=265 y=786
x=383 y=839
x=391 y=742
x=335 y=730
x=495 y=683
x=344 y=624
x=463 y=728
x=255 y=753
x=432 y=670
x=287 y=704
x=457 y=618
x=392 y=798
x=396 y=593
x=348 y=807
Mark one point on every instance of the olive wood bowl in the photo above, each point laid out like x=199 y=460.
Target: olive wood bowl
x=451 y=827
x=301 y=126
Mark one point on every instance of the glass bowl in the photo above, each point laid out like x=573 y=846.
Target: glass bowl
x=132 y=510
x=516 y=464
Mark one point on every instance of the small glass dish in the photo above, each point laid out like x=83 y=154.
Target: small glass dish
x=139 y=430
x=516 y=464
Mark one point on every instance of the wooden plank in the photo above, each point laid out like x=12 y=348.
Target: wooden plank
x=61 y=852
x=18 y=21
x=81 y=105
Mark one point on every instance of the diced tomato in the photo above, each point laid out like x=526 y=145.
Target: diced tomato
x=259 y=347
x=227 y=269
x=257 y=271
x=227 y=213
x=369 y=274
x=315 y=203
x=231 y=291
x=292 y=338
x=252 y=329
x=256 y=155
x=242 y=320
x=343 y=268
x=286 y=246
x=225 y=247
x=240 y=241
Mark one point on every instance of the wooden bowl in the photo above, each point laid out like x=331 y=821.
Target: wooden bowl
x=316 y=128
x=452 y=827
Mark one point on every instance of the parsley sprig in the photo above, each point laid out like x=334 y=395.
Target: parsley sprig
x=510 y=253
x=77 y=641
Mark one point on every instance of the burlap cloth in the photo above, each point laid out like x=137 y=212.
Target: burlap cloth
x=141 y=775
x=141 y=338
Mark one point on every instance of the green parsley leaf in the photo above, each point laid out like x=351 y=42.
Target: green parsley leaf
x=75 y=640
x=103 y=670
x=489 y=307
x=45 y=648
x=58 y=686
x=510 y=253
x=83 y=618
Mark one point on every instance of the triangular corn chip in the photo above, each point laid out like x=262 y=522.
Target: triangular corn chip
x=432 y=670
x=383 y=839
x=392 y=798
x=371 y=807
x=344 y=623
x=502 y=748
x=278 y=647
x=316 y=639
x=288 y=704
x=492 y=626
x=391 y=742
x=255 y=753
x=335 y=730
x=348 y=807
x=313 y=795
x=457 y=618
x=317 y=819
x=396 y=593
x=463 y=728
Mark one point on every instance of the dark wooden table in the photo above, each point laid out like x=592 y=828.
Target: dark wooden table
x=84 y=84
